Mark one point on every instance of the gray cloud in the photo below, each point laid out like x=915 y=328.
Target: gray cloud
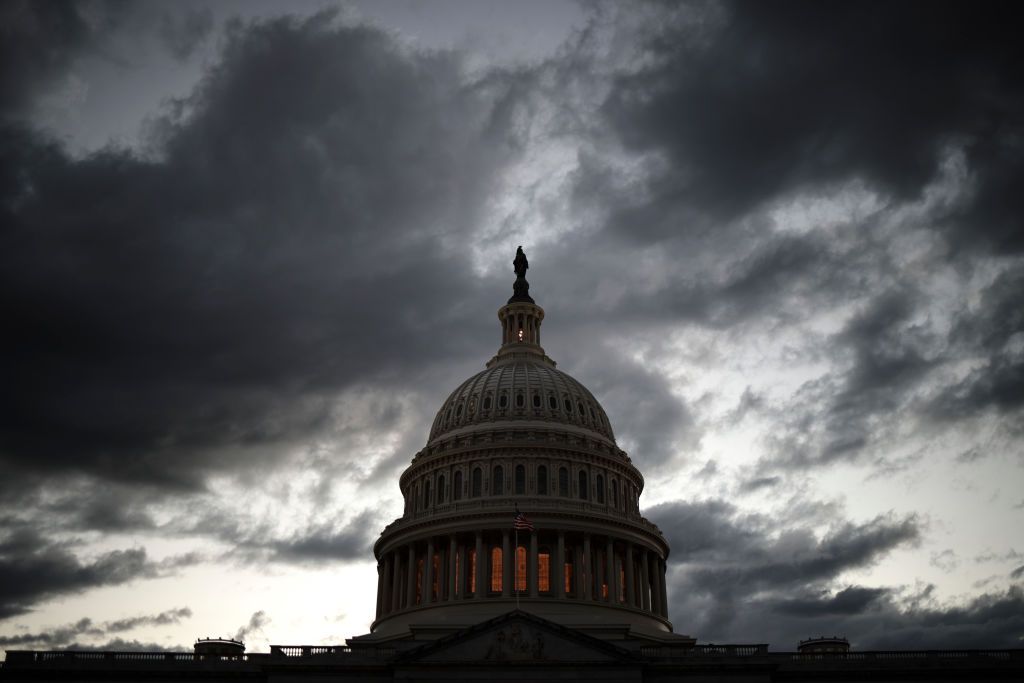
x=65 y=635
x=33 y=569
x=256 y=623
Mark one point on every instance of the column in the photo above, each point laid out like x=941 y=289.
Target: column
x=645 y=583
x=630 y=588
x=396 y=582
x=578 y=572
x=587 y=578
x=609 y=574
x=410 y=579
x=428 y=573
x=507 y=565
x=655 y=586
x=381 y=573
x=662 y=567
x=531 y=565
x=481 y=590
x=452 y=579
x=463 y=564
x=559 y=573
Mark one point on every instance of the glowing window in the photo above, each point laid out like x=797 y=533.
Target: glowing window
x=544 y=571
x=542 y=480
x=568 y=578
x=521 y=568
x=472 y=571
x=496 y=569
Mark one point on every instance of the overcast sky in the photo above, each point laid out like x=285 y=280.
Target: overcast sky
x=247 y=249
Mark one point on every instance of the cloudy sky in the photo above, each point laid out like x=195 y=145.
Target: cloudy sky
x=247 y=248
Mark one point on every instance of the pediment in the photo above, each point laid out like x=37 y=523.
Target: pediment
x=518 y=637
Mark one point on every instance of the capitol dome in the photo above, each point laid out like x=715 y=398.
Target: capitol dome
x=521 y=499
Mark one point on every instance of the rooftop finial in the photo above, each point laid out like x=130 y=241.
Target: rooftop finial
x=521 y=288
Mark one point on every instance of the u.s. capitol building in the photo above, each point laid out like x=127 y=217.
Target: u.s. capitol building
x=521 y=555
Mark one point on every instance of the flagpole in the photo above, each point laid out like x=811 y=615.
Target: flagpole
x=515 y=563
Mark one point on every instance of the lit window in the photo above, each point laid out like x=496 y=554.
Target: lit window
x=521 y=568
x=472 y=571
x=496 y=569
x=544 y=571
x=520 y=334
x=568 y=578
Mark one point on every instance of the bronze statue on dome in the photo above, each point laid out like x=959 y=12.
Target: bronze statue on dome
x=521 y=288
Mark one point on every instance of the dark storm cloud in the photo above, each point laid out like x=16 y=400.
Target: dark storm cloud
x=744 y=577
x=725 y=562
x=201 y=309
x=183 y=32
x=750 y=101
x=63 y=635
x=33 y=569
x=40 y=40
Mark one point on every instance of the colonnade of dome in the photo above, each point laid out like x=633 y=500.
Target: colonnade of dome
x=521 y=436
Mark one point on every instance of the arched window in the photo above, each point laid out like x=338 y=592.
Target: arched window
x=458 y=410
x=520 y=400
x=600 y=489
x=536 y=401
x=457 y=487
x=623 y=495
x=615 y=493
x=544 y=570
x=542 y=480
x=426 y=493
x=520 y=568
x=503 y=401
x=563 y=481
x=440 y=489
x=552 y=403
x=496 y=569
x=584 y=485
x=568 y=405
x=498 y=481
x=477 y=484
x=487 y=403
x=520 y=480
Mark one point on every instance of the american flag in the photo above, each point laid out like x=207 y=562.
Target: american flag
x=521 y=522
